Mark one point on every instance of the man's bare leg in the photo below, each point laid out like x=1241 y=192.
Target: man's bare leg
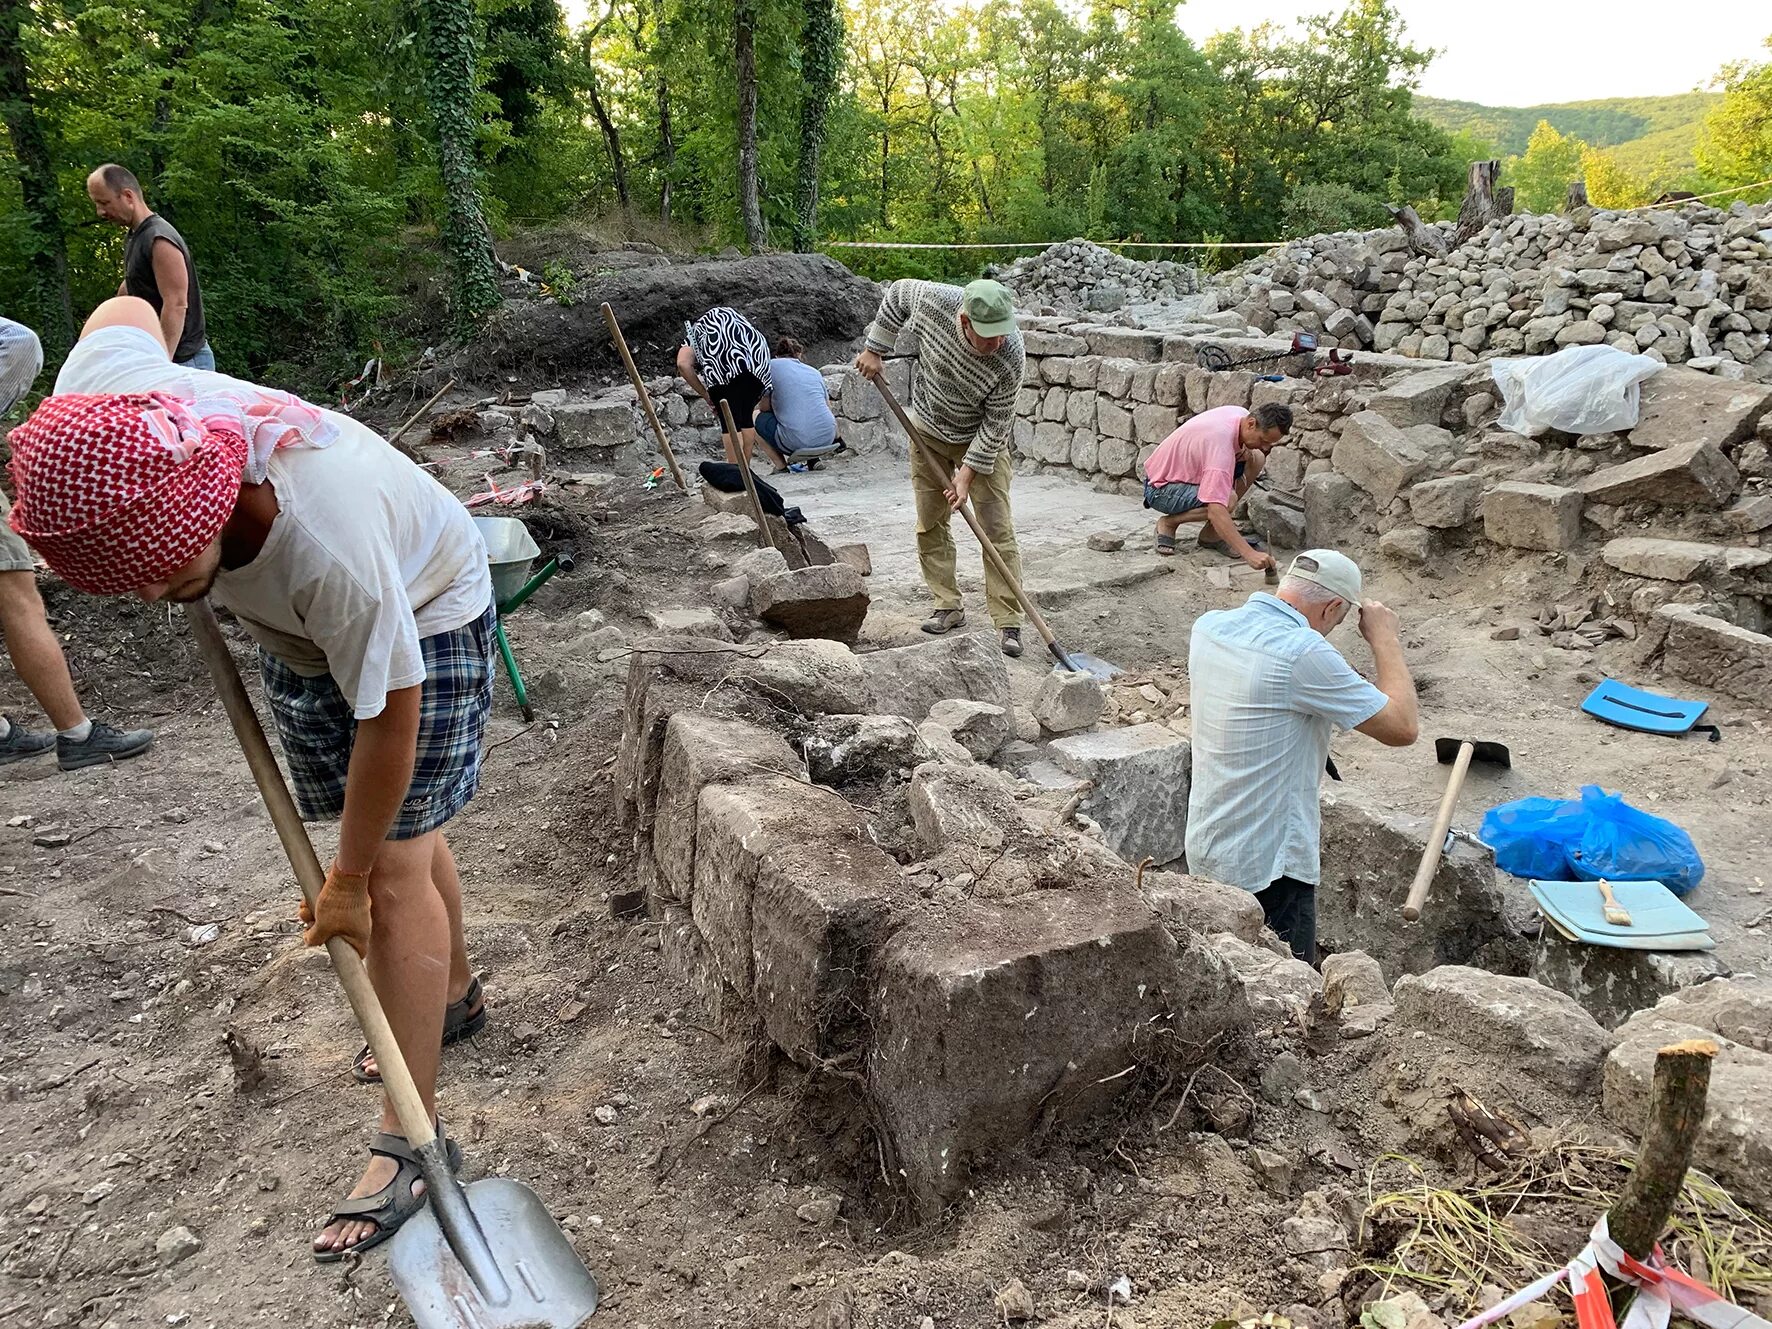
x=36 y=654
x=448 y=884
x=409 y=966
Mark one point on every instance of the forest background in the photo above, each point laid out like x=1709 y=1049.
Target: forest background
x=334 y=162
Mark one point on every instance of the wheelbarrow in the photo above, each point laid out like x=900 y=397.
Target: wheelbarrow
x=511 y=551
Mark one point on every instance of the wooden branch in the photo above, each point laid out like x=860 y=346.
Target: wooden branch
x=1676 y=1113
x=1422 y=239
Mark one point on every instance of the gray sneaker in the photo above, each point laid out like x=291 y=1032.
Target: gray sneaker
x=21 y=744
x=104 y=744
x=944 y=620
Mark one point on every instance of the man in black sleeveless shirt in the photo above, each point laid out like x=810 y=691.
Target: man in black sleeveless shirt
x=157 y=264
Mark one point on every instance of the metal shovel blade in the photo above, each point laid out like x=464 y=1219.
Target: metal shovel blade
x=1081 y=662
x=547 y=1285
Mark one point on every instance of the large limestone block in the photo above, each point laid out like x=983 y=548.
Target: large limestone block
x=1378 y=456
x=1692 y=473
x=699 y=750
x=909 y=680
x=1716 y=654
x=1141 y=776
x=1532 y=1027
x=1532 y=516
x=1684 y=406
x=829 y=601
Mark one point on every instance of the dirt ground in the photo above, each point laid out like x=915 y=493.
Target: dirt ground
x=121 y=1115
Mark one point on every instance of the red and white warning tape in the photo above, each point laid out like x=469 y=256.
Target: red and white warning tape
x=1660 y=1291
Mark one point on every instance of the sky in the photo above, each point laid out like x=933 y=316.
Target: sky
x=1528 y=52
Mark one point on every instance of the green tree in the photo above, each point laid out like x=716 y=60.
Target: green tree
x=45 y=249
x=451 y=51
x=1735 y=147
x=1541 y=177
x=821 y=64
x=1610 y=184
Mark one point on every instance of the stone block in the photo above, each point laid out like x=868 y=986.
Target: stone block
x=1532 y=516
x=700 y=750
x=1050 y=443
x=592 y=428
x=1279 y=522
x=1229 y=387
x=1068 y=701
x=962 y=807
x=1153 y=424
x=1369 y=855
x=824 y=904
x=1036 y=342
x=983 y=1011
x=1141 y=778
x=702 y=621
x=1612 y=984
x=1353 y=979
x=1202 y=905
x=977 y=726
x=737 y=503
x=1735 y=1143
x=1377 y=456
x=1113 y=378
x=1684 y=406
x=1419 y=398
x=1447 y=502
x=1691 y=473
x=910 y=680
x=1079 y=411
x=1279 y=989
x=856 y=555
x=1665 y=560
x=1328 y=503
x=828 y=601
x=1408 y=544
x=1716 y=654
x=1126 y=344
x=858 y=399
x=1527 y=1025
x=1116 y=456
x=1085 y=451
x=1112 y=420
x=850 y=749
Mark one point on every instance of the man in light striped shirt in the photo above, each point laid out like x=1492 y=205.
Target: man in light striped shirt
x=969 y=362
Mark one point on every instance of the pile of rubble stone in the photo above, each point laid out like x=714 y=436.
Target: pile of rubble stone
x=1692 y=286
x=1081 y=275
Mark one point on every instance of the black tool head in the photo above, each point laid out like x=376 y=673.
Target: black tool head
x=1495 y=754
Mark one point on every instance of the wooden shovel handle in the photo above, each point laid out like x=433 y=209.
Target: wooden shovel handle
x=742 y=451
x=627 y=359
x=1430 y=856
x=299 y=849
x=926 y=455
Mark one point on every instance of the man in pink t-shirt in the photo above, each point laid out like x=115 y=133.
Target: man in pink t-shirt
x=1199 y=472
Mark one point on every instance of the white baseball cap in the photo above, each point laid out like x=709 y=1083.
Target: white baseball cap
x=1336 y=573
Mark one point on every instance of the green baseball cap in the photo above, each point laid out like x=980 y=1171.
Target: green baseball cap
x=989 y=307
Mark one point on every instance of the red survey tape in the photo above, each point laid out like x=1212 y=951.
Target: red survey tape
x=1660 y=1291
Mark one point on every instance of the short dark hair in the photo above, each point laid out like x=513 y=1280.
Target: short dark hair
x=1273 y=415
x=118 y=178
x=789 y=347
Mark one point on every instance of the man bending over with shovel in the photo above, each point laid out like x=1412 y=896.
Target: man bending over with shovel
x=365 y=585
x=1201 y=471
x=1267 y=690
x=968 y=371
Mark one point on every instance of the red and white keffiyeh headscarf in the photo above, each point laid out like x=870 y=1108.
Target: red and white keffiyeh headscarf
x=120 y=490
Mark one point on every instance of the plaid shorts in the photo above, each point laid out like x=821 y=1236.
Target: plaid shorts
x=317 y=728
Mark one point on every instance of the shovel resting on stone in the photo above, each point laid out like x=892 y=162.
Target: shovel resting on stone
x=1076 y=662
x=1459 y=753
x=485 y=1256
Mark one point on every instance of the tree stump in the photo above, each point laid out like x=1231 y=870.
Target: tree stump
x=1479 y=207
x=1577 y=196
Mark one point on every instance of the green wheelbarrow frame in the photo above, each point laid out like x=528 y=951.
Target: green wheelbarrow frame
x=505 y=653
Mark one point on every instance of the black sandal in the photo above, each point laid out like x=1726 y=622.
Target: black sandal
x=389 y=1207
x=463 y=1019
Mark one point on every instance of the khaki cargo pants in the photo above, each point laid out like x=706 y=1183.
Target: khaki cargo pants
x=935 y=540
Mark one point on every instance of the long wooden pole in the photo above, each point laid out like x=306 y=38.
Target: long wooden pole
x=926 y=455
x=400 y=433
x=743 y=453
x=627 y=359
x=1430 y=856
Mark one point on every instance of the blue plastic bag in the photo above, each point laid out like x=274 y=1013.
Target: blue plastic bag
x=1531 y=836
x=1622 y=843
x=1584 y=839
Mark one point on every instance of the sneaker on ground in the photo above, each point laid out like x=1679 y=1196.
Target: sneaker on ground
x=104 y=744
x=944 y=620
x=20 y=744
x=1012 y=642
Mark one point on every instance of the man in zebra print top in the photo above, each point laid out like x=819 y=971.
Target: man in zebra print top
x=969 y=362
x=724 y=358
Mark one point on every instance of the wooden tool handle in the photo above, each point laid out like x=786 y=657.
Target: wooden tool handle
x=1430 y=856
x=299 y=849
x=743 y=453
x=627 y=359
x=927 y=456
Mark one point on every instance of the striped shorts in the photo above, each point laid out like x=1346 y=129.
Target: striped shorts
x=317 y=729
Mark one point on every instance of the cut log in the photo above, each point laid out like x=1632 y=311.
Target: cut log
x=1422 y=238
x=1577 y=197
x=1676 y=1114
x=1480 y=206
x=1504 y=201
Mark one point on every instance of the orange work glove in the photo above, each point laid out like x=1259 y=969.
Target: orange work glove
x=343 y=910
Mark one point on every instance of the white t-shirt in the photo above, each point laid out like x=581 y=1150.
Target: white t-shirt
x=368 y=553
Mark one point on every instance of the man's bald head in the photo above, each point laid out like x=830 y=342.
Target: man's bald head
x=116 y=195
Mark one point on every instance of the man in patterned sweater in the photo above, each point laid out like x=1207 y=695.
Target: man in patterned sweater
x=968 y=371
